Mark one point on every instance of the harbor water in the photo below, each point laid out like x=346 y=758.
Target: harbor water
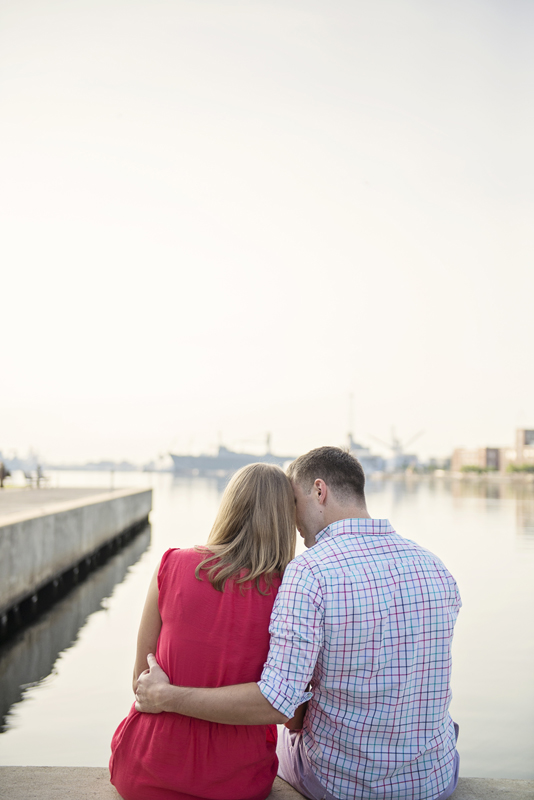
x=66 y=679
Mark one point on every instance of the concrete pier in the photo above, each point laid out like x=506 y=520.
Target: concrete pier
x=82 y=783
x=45 y=533
x=29 y=657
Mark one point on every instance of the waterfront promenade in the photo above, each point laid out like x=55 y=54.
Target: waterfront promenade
x=31 y=501
x=47 y=534
x=92 y=783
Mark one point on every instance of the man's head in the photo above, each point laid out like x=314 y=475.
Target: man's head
x=329 y=485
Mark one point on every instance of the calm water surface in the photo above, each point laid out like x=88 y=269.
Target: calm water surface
x=66 y=680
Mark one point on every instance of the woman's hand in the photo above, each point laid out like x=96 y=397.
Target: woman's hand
x=150 y=689
x=297 y=721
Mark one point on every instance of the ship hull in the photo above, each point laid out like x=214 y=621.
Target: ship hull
x=226 y=461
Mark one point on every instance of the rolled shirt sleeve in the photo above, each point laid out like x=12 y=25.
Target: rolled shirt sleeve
x=297 y=633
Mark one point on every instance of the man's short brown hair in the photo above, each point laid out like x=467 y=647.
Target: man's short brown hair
x=336 y=467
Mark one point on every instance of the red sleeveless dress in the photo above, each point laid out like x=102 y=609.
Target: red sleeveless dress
x=208 y=638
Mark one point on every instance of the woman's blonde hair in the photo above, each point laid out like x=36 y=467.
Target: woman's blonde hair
x=254 y=532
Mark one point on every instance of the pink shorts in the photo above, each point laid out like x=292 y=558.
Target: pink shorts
x=294 y=767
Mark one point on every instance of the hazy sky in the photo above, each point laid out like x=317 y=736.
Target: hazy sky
x=225 y=217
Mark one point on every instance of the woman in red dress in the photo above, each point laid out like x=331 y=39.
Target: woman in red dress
x=207 y=617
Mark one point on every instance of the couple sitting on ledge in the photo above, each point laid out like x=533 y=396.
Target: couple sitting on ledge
x=348 y=645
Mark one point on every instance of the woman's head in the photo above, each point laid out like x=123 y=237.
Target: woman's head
x=254 y=531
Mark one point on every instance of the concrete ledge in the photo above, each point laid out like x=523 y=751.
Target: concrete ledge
x=85 y=783
x=30 y=656
x=39 y=545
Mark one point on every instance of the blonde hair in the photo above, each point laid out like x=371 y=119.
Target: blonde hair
x=254 y=532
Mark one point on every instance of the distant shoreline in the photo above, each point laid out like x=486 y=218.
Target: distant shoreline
x=517 y=478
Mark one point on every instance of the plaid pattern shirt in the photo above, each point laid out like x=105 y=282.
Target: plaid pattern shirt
x=368 y=618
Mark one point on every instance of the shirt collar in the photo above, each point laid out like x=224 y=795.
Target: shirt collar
x=356 y=525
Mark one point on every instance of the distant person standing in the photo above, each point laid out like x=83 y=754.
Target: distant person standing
x=4 y=473
x=366 y=618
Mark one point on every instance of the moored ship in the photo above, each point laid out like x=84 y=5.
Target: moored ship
x=225 y=462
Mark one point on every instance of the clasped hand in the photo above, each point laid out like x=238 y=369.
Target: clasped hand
x=150 y=688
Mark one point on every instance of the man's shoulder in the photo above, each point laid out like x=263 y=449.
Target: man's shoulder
x=314 y=559
x=302 y=561
x=414 y=549
x=338 y=553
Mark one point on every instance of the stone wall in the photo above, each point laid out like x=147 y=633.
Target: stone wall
x=36 y=548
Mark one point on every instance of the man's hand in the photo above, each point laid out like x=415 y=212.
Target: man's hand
x=150 y=688
x=242 y=704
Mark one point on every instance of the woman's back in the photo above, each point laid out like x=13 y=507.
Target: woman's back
x=208 y=638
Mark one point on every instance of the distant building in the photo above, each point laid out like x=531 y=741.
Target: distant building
x=437 y=463
x=370 y=462
x=480 y=457
x=507 y=457
x=524 y=446
x=401 y=462
x=497 y=458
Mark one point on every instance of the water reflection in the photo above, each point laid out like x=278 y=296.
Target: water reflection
x=218 y=482
x=521 y=495
x=525 y=519
x=404 y=490
x=30 y=656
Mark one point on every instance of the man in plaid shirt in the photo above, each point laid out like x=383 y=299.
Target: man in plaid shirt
x=360 y=653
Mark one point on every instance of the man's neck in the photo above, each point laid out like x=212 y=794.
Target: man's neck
x=346 y=512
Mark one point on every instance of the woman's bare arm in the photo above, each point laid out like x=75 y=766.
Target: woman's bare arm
x=149 y=629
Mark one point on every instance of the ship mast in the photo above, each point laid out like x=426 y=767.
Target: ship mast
x=349 y=435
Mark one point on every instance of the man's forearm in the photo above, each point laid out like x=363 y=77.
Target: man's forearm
x=242 y=704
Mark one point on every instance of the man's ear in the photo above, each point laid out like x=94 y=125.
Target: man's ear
x=321 y=490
